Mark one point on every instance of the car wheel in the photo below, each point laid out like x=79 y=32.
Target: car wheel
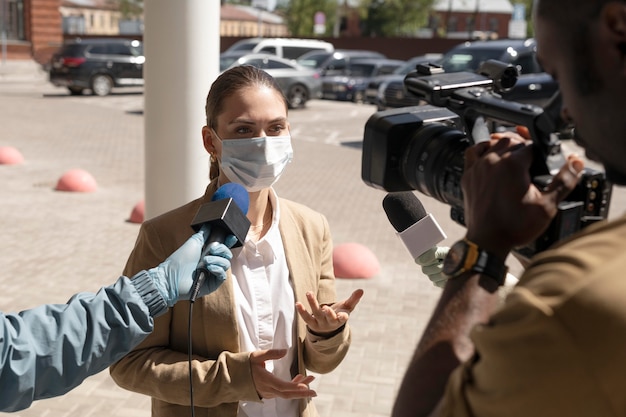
x=101 y=85
x=297 y=96
x=359 y=97
x=75 y=91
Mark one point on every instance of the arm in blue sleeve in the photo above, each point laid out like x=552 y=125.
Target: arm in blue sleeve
x=49 y=350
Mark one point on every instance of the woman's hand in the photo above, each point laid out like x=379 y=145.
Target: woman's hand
x=269 y=385
x=325 y=319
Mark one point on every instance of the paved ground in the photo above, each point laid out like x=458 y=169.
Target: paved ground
x=54 y=244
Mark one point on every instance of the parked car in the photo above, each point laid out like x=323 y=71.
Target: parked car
x=228 y=58
x=372 y=89
x=337 y=62
x=299 y=84
x=533 y=85
x=98 y=65
x=290 y=48
x=351 y=85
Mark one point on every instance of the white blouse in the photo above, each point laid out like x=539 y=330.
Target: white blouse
x=266 y=311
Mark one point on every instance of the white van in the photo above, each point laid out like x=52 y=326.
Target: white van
x=289 y=48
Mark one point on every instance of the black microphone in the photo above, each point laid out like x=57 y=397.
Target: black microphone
x=226 y=213
x=418 y=230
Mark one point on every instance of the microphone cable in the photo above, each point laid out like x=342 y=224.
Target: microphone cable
x=189 y=353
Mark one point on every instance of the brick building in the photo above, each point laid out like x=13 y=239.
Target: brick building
x=33 y=28
x=464 y=19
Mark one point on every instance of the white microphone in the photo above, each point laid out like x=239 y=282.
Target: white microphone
x=419 y=231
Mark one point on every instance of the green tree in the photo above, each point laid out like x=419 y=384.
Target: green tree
x=394 y=17
x=130 y=8
x=529 y=11
x=300 y=14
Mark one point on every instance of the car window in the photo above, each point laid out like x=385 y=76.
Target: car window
x=244 y=46
x=227 y=61
x=527 y=64
x=313 y=60
x=98 y=50
x=386 y=69
x=273 y=64
x=294 y=52
x=362 y=70
x=73 y=50
x=119 y=49
x=405 y=69
x=256 y=62
x=337 y=64
x=136 y=48
x=268 y=50
x=468 y=60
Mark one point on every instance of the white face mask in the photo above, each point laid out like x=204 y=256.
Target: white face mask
x=256 y=163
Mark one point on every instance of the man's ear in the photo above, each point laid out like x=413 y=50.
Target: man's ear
x=613 y=15
x=613 y=21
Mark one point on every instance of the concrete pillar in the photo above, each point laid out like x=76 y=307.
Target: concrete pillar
x=182 y=44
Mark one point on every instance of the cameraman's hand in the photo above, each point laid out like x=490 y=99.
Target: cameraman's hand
x=503 y=208
x=431 y=262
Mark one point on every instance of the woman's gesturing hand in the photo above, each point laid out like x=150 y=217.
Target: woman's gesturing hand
x=269 y=385
x=328 y=318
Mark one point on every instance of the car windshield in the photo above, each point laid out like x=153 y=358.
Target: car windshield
x=405 y=69
x=362 y=70
x=244 y=46
x=313 y=60
x=466 y=60
x=227 y=61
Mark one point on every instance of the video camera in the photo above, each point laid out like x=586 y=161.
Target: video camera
x=422 y=147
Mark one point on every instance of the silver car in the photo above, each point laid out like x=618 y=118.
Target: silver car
x=299 y=84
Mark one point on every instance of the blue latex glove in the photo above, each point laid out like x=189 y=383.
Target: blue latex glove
x=432 y=264
x=174 y=277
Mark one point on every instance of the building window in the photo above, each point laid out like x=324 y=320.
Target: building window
x=74 y=25
x=453 y=24
x=12 y=19
x=494 y=24
x=470 y=24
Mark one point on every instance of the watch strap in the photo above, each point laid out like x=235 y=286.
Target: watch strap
x=484 y=262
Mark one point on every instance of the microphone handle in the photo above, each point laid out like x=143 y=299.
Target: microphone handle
x=218 y=235
x=197 y=283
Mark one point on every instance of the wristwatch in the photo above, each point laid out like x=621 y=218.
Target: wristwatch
x=465 y=256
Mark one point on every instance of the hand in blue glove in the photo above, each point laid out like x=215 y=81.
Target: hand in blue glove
x=175 y=276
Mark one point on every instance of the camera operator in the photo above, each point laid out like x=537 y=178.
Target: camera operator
x=556 y=347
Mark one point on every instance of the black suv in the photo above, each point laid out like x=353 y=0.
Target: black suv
x=533 y=85
x=98 y=65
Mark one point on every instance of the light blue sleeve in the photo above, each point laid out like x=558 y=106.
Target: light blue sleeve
x=51 y=349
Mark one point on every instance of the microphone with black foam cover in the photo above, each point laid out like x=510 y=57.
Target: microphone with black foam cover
x=418 y=230
x=226 y=214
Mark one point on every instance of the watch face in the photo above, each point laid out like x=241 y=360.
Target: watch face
x=454 y=259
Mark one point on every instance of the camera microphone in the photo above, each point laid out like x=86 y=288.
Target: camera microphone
x=226 y=214
x=418 y=230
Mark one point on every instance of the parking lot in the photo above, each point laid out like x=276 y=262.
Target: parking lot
x=57 y=243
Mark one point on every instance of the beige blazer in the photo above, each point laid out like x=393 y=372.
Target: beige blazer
x=158 y=367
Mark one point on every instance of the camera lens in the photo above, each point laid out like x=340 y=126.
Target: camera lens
x=433 y=162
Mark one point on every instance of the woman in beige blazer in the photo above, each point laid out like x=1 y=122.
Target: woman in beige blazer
x=276 y=316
